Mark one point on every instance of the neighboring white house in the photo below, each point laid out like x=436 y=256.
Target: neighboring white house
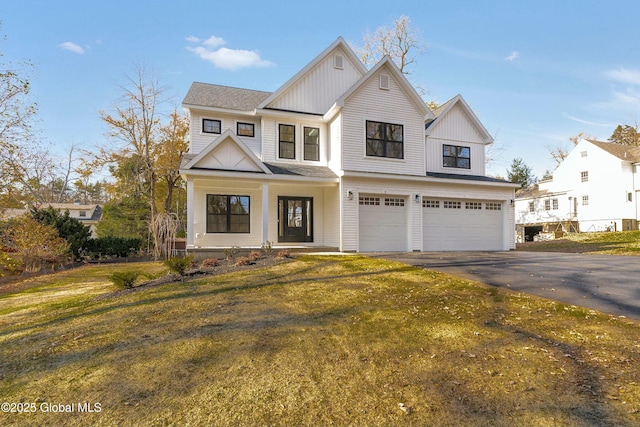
x=343 y=158
x=88 y=215
x=595 y=188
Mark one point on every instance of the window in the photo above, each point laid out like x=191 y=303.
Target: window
x=246 y=129
x=583 y=154
x=391 y=201
x=584 y=176
x=369 y=201
x=629 y=197
x=287 y=141
x=555 y=204
x=82 y=214
x=227 y=214
x=385 y=140
x=337 y=62
x=452 y=205
x=311 y=144
x=493 y=206
x=585 y=200
x=532 y=207
x=430 y=203
x=473 y=205
x=211 y=126
x=456 y=157
x=547 y=205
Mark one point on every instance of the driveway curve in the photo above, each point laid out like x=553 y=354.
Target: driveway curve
x=608 y=283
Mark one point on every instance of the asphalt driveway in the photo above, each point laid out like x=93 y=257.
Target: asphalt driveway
x=607 y=283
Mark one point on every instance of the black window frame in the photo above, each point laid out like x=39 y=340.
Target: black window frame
x=219 y=122
x=286 y=143
x=253 y=129
x=311 y=145
x=382 y=146
x=229 y=215
x=452 y=156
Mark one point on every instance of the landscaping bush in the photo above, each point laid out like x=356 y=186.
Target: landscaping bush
x=285 y=253
x=255 y=256
x=209 y=263
x=243 y=260
x=124 y=279
x=179 y=264
x=113 y=246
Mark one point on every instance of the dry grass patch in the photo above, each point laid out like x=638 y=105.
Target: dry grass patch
x=613 y=243
x=322 y=341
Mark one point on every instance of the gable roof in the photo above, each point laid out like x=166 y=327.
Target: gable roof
x=442 y=111
x=227 y=135
x=623 y=152
x=338 y=43
x=223 y=97
x=387 y=62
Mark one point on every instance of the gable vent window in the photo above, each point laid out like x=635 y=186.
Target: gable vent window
x=384 y=81
x=338 y=62
x=583 y=154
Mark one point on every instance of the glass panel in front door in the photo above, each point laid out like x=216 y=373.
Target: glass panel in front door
x=294 y=214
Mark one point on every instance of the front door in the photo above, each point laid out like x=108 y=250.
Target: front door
x=295 y=219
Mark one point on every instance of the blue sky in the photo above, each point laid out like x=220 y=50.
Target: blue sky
x=535 y=73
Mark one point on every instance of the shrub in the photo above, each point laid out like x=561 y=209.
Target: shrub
x=255 y=256
x=70 y=229
x=179 y=264
x=209 y=263
x=285 y=253
x=230 y=253
x=267 y=248
x=113 y=246
x=124 y=279
x=243 y=260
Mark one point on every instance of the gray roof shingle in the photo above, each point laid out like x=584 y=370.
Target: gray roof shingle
x=225 y=97
x=623 y=152
x=301 y=170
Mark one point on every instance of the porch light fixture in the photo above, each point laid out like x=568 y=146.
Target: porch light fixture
x=350 y=195
x=417 y=198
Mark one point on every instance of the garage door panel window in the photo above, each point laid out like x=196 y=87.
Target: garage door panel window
x=473 y=205
x=369 y=201
x=430 y=203
x=493 y=206
x=447 y=204
x=454 y=156
x=390 y=201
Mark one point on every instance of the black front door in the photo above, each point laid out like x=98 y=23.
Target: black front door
x=295 y=219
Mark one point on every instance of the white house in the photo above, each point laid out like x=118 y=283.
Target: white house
x=340 y=157
x=595 y=188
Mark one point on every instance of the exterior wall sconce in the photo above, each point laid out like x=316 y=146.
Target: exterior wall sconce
x=511 y=201
x=350 y=195
x=417 y=198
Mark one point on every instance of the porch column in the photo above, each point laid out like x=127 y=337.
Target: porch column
x=190 y=203
x=265 y=212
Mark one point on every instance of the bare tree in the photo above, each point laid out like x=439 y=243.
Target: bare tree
x=402 y=43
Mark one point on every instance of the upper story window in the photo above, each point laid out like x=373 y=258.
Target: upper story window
x=532 y=207
x=246 y=129
x=211 y=126
x=227 y=213
x=583 y=154
x=287 y=141
x=585 y=200
x=82 y=214
x=584 y=176
x=311 y=143
x=454 y=156
x=555 y=204
x=385 y=140
x=547 y=205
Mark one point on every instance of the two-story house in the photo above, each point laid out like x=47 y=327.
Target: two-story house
x=340 y=157
x=595 y=188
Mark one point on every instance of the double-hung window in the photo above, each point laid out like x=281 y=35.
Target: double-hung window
x=385 y=140
x=287 y=141
x=311 y=143
x=227 y=214
x=454 y=156
x=246 y=129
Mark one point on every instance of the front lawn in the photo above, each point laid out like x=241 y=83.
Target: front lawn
x=312 y=342
x=613 y=243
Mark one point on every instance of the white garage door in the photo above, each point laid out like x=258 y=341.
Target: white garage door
x=462 y=225
x=382 y=223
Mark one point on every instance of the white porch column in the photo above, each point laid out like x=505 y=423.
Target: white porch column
x=190 y=203
x=265 y=212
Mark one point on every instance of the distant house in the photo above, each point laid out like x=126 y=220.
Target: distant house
x=88 y=215
x=340 y=157
x=595 y=188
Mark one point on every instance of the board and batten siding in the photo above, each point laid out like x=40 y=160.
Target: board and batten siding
x=370 y=102
x=317 y=91
x=455 y=128
x=200 y=140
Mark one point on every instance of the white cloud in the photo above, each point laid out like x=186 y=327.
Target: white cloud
x=624 y=75
x=224 y=58
x=586 y=122
x=72 y=47
x=514 y=55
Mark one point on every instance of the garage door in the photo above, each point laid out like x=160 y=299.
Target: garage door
x=382 y=223
x=462 y=225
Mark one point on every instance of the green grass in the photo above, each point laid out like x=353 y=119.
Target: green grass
x=315 y=341
x=613 y=243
